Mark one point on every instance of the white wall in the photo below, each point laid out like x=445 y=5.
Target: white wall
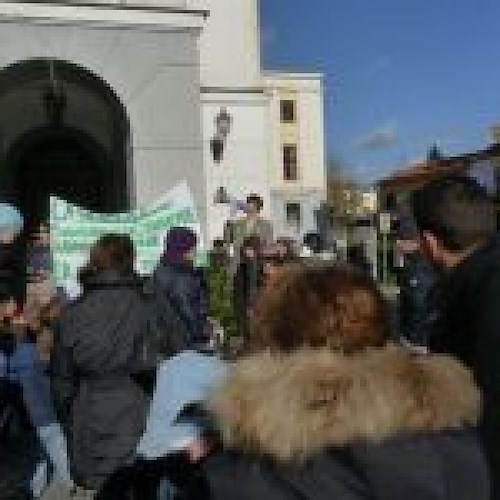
x=244 y=167
x=229 y=43
x=309 y=134
x=154 y=71
x=307 y=91
x=156 y=3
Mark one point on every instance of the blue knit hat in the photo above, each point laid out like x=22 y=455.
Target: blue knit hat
x=179 y=241
x=10 y=218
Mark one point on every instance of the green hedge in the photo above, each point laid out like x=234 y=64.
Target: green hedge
x=221 y=300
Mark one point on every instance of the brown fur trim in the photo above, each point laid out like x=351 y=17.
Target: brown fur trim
x=294 y=406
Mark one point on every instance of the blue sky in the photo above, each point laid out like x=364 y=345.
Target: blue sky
x=400 y=74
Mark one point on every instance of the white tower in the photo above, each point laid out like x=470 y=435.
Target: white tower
x=230 y=43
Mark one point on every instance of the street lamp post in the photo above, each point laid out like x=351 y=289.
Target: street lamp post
x=385 y=229
x=223 y=122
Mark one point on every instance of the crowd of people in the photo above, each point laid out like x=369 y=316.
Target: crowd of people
x=122 y=394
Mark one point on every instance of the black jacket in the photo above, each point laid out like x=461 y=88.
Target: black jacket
x=381 y=425
x=101 y=357
x=472 y=333
x=180 y=298
x=419 y=303
x=12 y=272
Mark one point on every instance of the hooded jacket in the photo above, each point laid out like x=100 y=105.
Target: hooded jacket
x=381 y=425
x=99 y=366
x=180 y=306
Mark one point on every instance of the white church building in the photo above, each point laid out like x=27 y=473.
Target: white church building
x=111 y=103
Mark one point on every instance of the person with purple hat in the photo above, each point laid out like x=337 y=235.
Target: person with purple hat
x=181 y=295
x=187 y=369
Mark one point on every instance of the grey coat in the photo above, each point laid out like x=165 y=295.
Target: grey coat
x=99 y=363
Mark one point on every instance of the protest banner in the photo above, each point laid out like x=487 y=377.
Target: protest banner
x=74 y=230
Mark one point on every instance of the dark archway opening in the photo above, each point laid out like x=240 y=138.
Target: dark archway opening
x=63 y=132
x=59 y=162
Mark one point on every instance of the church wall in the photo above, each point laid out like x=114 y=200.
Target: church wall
x=244 y=166
x=154 y=71
x=230 y=43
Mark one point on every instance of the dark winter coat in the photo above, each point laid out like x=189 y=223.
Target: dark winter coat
x=419 y=314
x=12 y=273
x=180 y=296
x=472 y=333
x=380 y=425
x=100 y=361
x=247 y=284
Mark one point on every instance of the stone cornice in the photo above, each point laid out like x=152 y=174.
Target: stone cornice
x=102 y=15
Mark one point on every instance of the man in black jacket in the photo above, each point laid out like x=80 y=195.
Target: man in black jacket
x=457 y=223
x=418 y=306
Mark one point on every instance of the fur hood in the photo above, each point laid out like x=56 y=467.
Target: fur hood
x=291 y=407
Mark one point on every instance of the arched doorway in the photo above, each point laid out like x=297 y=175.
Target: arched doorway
x=59 y=162
x=63 y=132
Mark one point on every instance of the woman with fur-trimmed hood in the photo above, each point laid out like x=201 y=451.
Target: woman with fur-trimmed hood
x=326 y=409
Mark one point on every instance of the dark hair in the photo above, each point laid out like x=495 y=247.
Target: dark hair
x=50 y=312
x=111 y=252
x=333 y=307
x=252 y=242
x=456 y=210
x=289 y=245
x=5 y=296
x=255 y=199
x=218 y=243
x=314 y=242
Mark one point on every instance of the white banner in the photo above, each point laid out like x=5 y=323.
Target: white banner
x=74 y=230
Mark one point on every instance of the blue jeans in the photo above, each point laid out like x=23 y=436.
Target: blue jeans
x=27 y=370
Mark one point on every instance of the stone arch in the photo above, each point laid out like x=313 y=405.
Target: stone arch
x=63 y=131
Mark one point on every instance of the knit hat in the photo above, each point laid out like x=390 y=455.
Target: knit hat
x=179 y=241
x=11 y=222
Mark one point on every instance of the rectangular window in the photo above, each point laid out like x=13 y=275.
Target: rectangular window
x=293 y=214
x=290 y=169
x=287 y=111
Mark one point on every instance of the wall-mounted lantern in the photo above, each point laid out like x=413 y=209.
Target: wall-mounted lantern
x=217 y=148
x=221 y=196
x=223 y=122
